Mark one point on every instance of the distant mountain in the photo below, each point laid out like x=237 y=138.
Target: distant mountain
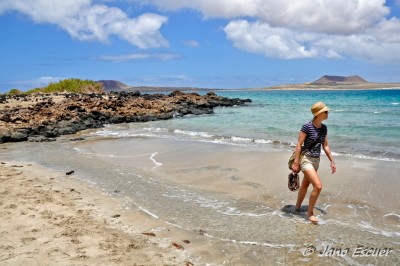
x=114 y=85
x=117 y=86
x=339 y=79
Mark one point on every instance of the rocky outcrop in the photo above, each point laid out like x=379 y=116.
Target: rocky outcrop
x=44 y=117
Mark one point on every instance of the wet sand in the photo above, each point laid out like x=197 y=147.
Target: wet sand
x=249 y=173
x=360 y=200
x=230 y=202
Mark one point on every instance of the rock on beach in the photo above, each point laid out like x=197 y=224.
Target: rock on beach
x=43 y=117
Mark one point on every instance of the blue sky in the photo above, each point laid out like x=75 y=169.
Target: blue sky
x=204 y=43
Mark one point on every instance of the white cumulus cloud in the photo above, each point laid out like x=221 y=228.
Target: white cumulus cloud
x=327 y=16
x=387 y=31
x=263 y=39
x=87 y=21
x=379 y=44
x=288 y=29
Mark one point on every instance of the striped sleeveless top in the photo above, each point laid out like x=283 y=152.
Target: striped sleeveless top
x=315 y=137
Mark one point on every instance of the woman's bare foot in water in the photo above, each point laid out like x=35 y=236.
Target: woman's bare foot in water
x=313 y=219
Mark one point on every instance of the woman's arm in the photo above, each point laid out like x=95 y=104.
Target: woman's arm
x=328 y=153
x=296 y=163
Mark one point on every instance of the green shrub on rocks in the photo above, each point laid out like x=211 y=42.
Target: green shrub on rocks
x=14 y=92
x=75 y=86
x=36 y=90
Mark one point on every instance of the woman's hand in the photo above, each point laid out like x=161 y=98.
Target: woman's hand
x=333 y=167
x=295 y=167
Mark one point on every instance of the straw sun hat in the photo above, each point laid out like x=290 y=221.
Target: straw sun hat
x=318 y=108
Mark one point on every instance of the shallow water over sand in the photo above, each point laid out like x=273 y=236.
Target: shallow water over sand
x=236 y=196
x=361 y=124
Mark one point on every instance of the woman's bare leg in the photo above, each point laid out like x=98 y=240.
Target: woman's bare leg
x=314 y=179
x=302 y=192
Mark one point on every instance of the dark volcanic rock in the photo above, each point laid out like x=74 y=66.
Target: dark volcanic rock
x=44 y=117
x=19 y=136
x=40 y=139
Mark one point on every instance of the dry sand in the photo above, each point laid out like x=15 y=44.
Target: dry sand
x=48 y=218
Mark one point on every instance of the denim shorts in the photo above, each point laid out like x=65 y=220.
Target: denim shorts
x=308 y=162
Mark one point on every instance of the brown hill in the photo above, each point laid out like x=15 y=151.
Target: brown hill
x=114 y=85
x=117 y=86
x=339 y=79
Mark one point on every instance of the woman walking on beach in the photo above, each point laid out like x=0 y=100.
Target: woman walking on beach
x=313 y=135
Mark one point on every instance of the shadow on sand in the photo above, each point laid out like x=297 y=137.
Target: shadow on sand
x=290 y=211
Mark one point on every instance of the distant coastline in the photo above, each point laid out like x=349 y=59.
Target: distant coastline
x=363 y=86
x=326 y=84
x=303 y=86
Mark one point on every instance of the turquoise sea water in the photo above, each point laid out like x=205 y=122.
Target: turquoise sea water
x=362 y=123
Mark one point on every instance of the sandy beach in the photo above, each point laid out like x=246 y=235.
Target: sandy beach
x=201 y=204
x=48 y=218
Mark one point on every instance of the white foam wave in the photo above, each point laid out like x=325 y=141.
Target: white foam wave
x=253 y=243
x=378 y=231
x=263 y=141
x=193 y=133
x=232 y=140
x=79 y=150
x=164 y=133
x=175 y=225
x=223 y=141
x=209 y=203
x=148 y=212
x=235 y=212
x=353 y=206
x=392 y=214
x=120 y=134
x=107 y=133
x=240 y=139
x=202 y=201
x=156 y=129
x=361 y=156
x=395 y=103
x=157 y=164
